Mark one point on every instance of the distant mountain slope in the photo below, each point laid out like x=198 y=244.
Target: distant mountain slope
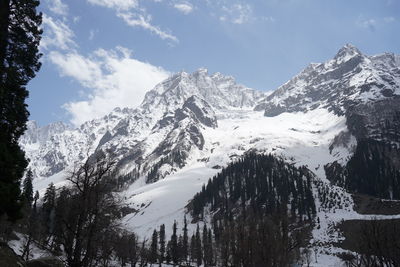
x=340 y=119
x=170 y=118
x=348 y=79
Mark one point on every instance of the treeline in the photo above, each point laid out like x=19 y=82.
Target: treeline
x=152 y=174
x=261 y=210
x=263 y=184
x=175 y=158
x=375 y=242
x=269 y=241
x=372 y=170
x=79 y=222
x=183 y=249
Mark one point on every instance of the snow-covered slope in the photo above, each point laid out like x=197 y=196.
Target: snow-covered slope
x=303 y=139
x=170 y=118
x=191 y=125
x=349 y=78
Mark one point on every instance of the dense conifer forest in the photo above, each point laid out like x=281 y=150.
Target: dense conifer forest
x=260 y=184
x=372 y=170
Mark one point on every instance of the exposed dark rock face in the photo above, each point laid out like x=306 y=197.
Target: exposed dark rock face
x=366 y=90
x=185 y=135
x=349 y=79
x=170 y=118
x=378 y=120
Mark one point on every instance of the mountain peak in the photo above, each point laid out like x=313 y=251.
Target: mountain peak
x=201 y=71
x=347 y=52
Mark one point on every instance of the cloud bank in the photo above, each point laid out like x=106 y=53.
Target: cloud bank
x=114 y=77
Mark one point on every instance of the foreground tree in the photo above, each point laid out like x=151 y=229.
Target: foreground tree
x=19 y=61
x=90 y=212
x=27 y=191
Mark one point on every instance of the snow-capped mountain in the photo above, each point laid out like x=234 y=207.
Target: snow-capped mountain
x=169 y=119
x=191 y=125
x=366 y=89
x=349 y=78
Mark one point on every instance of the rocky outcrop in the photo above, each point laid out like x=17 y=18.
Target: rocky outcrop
x=349 y=79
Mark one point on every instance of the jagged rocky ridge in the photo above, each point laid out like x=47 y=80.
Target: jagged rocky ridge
x=366 y=90
x=157 y=137
x=165 y=128
x=340 y=118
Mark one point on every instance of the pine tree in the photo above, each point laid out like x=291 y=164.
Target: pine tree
x=193 y=248
x=28 y=187
x=205 y=245
x=180 y=249
x=210 y=255
x=174 y=245
x=35 y=199
x=199 y=254
x=162 y=243
x=20 y=35
x=154 y=247
x=185 y=241
x=168 y=255
x=48 y=206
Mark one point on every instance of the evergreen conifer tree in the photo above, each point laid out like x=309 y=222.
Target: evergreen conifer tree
x=185 y=241
x=20 y=35
x=162 y=243
x=199 y=254
x=174 y=245
x=154 y=247
x=48 y=206
x=35 y=199
x=28 y=187
x=193 y=248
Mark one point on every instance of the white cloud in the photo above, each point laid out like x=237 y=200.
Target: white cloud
x=72 y=64
x=114 y=77
x=144 y=21
x=237 y=13
x=185 y=8
x=134 y=15
x=57 y=34
x=57 y=7
x=116 y=4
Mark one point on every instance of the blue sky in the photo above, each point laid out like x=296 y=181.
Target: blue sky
x=100 y=54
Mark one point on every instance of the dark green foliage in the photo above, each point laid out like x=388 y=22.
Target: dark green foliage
x=261 y=210
x=262 y=184
x=373 y=170
x=174 y=158
x=154 y=247
x=162 y=243
x=123 y=181
x=376 y=242
x=27 y=191
x=260 y=241
x=174 y=245
x=48 y=208
x=185 y=240
x=19 y=61
x=199 y=248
